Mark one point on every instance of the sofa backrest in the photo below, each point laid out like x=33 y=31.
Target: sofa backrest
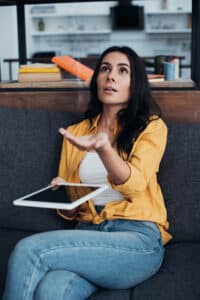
x=179 y=177
x=29 y=157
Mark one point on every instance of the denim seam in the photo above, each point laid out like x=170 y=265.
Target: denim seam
x=57 y=247
x=29 y=278
x=76 y=277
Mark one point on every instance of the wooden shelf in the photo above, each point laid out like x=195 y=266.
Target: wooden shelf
x=76 y=83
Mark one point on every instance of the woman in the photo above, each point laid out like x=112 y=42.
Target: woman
x=119 y=240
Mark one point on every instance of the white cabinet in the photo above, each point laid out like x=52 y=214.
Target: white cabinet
x=168 y=22
x=68 y=22
x=68 y=25
x=72 y=28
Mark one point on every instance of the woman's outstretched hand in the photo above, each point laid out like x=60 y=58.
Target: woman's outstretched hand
x=86 y=142
x=101 y=144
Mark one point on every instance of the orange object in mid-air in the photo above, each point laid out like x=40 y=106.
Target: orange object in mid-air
x=73 y=66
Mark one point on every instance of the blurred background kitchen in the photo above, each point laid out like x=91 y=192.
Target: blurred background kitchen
x=153 y=28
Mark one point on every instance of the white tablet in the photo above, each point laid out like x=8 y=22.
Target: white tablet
x=62 y=197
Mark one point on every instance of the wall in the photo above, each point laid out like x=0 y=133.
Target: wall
x=8 y=37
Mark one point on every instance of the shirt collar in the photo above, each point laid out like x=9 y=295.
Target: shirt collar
x=93 y=127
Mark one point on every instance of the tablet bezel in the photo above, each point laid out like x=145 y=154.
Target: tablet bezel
x=22 y=201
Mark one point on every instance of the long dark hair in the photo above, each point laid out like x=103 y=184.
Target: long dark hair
x=134 y=118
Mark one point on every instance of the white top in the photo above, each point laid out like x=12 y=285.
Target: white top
x=92 y=170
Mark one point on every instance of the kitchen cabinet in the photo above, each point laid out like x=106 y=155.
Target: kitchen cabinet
x=165 y=21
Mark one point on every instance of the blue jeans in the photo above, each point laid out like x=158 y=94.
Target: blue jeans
x=72 y=264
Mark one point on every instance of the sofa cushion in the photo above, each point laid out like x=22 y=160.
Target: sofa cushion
x=29 y=157
x=178 y=277
x=179 y=177
x=103 y=294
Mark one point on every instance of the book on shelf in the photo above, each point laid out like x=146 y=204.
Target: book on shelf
x=35 y=77
x=39 y=67
x=39 y=72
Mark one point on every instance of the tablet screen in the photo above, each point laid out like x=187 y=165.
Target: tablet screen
x=64 y=194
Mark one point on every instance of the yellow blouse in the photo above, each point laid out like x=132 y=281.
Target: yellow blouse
x=143 y=199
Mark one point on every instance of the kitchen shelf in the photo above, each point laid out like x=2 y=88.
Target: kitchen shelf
x=69 y=33
x=168 y=12
x=58 y=15
x=37 y=34
x=157 y=31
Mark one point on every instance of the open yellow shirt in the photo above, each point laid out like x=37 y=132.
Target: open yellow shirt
x=143 y=199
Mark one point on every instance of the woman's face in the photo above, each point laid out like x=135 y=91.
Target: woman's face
x=114 y=79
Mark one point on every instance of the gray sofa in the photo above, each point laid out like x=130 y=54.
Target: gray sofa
x=29 y=155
